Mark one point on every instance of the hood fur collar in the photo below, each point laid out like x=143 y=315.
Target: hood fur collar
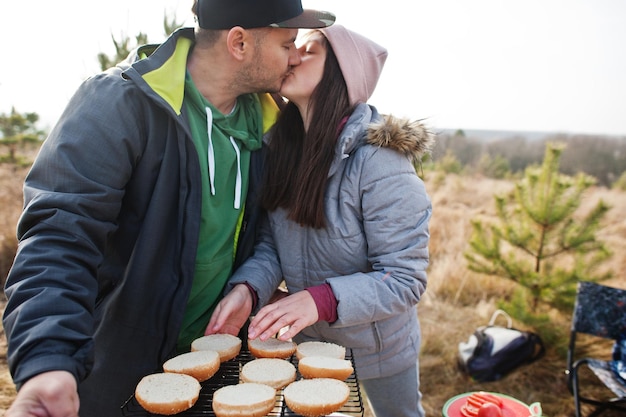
x=411 y=138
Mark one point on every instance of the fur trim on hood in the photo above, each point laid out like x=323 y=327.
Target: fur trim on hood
x=411 y=138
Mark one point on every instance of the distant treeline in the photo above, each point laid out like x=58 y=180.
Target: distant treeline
x=603 y=157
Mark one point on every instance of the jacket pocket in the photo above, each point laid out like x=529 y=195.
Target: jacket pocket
x=364 y=337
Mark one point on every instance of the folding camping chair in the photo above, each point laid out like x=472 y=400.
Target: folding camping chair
x=599 y=311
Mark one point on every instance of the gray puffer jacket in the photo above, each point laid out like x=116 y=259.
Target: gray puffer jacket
x=373 y=252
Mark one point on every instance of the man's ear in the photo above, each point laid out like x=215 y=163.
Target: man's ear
x=237 y=42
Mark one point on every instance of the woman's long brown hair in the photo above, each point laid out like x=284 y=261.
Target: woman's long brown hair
x=297 y=165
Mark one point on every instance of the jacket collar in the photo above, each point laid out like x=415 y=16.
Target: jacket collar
x=367 y=126
x=161 y=68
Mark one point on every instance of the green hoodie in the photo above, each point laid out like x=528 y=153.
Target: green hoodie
x=224 y=143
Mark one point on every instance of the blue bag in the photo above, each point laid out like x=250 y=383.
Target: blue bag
x=492 y=351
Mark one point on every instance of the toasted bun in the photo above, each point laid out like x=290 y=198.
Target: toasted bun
x=244 y=400
x=325 y=367
x=167 y=393
x=320 y=349
x=201 y=364
x=271 y=348
x=226 y=345
x=276 y=373
x=316 y=397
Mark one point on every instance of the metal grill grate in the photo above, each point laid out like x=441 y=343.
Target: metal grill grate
x=228 y=374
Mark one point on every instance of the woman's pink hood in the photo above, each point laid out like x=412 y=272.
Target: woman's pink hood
x=361 y=61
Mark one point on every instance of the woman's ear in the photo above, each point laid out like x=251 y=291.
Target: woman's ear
x=237 y=42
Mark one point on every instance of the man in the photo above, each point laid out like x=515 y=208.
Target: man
x=136 y=210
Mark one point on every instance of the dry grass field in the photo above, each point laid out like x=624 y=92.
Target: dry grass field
x=456 y=302
x=10 y=205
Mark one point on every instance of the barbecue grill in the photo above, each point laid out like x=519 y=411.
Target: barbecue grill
x=228 y=374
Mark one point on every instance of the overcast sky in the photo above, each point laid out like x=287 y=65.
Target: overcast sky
x=531 y=65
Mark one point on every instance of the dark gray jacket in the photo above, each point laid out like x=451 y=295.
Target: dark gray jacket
x=373 y=251
x=108 y=237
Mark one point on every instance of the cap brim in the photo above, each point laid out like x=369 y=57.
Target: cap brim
x=309 y=19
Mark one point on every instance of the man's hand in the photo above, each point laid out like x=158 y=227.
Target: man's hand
x=231 y=312
x=50 y=394
x=296 y=311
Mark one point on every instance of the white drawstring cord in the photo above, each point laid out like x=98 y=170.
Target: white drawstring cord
x=211 y=161
x=238 y=179
x=211 y=152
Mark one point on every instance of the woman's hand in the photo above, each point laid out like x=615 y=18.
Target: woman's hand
x=231 y=312
x=296 y=311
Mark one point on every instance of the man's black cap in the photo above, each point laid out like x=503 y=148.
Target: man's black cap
x=225 y=14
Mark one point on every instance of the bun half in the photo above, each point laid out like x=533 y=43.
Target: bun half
x=325 y=367
x=320 y=349
x=277 y=373
x=271 y=348
x=244 y=400
x=167 y=393
x=226 y=345
x=201 y=364
x=316 y=397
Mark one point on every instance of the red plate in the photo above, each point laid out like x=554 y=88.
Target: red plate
x=511 y=407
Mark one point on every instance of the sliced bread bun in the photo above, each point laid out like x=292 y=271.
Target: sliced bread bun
x=277 y=373
x=167 y=393
x=325 y=367
x=226 y=345
x=244 y=400
x=316 y=397
x=271 y=348
x=200 y=364
x=320 y=349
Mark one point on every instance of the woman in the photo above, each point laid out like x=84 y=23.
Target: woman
x=347 y=225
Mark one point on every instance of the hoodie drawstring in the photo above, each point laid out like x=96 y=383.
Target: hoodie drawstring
x=211 y=161
x=211 y=152
x=238 y=179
